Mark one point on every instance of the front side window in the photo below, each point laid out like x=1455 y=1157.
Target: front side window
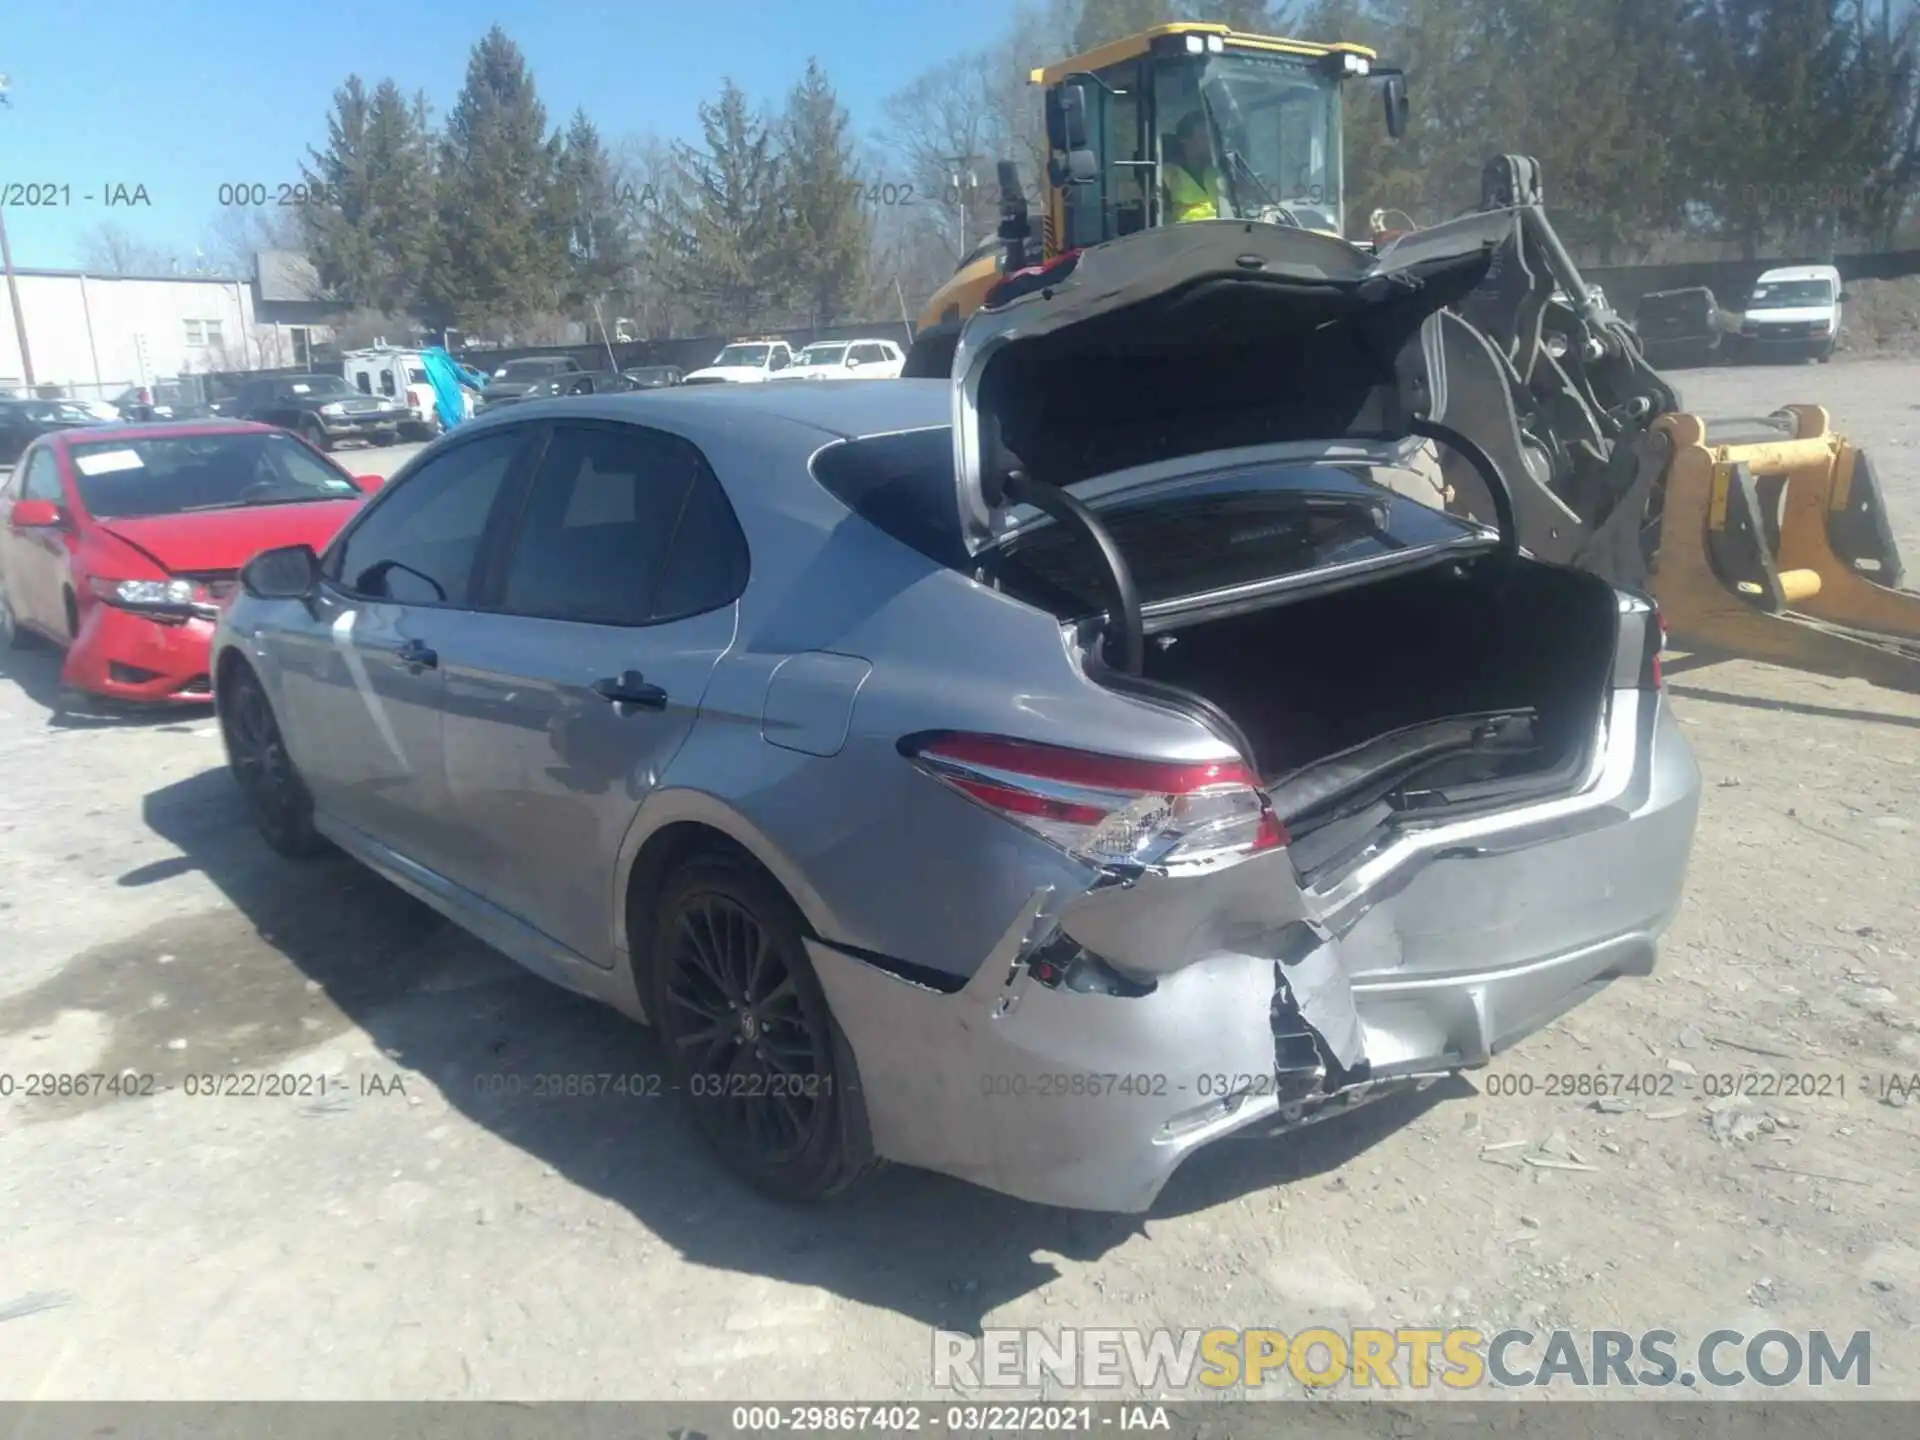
x=1271 y=135
x=43 y=479
x=418 y=544
x=601 y=522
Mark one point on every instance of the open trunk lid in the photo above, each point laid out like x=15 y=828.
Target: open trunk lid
x=1200 y=338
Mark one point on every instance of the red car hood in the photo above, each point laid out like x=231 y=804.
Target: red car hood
x=227 y=539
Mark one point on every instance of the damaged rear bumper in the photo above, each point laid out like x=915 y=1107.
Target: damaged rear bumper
x=1273 y=1004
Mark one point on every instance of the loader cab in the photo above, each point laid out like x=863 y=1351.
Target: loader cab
x=1266 y=114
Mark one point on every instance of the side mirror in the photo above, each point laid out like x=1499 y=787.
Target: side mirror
x=1845 y=296
x=1397 y=105
x=37 y=515
x=853 y=364
x=1083 y=167
x=1075 y=133
x=291 y=572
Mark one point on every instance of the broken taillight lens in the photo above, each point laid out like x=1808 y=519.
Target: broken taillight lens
x=1110 y=809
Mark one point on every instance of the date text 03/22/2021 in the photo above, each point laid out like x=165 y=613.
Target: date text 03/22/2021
x=236 y=1085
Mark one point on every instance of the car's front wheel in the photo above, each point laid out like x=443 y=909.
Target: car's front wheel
x=748 y=1037
x=311 y=432
x=281 y=804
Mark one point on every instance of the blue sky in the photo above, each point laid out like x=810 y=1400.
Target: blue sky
x=184 y=96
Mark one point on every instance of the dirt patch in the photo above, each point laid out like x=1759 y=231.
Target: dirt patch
x=1882 y=317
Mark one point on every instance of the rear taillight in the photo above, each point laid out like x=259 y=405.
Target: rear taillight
x=1110 y=809
x=1656 y=641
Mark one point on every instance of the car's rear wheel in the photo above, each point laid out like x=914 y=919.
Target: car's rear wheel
x=311 y=432
x=11 y=635
x=281 y=804
x=748 y=1037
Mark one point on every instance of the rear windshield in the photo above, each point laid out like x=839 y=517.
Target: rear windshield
x=1253 y=523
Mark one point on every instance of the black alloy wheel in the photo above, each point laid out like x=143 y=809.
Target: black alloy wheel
x=749 y=1039
x=278 y=798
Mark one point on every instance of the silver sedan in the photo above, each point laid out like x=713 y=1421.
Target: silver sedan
x=1036 y=833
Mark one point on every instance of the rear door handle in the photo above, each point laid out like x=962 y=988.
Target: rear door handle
x=417 y=656
x=631 y=688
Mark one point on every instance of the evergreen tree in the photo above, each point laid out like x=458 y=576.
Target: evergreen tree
x=501 y=256
x=827 y=235
x=368 y=225
x=715 y=239
x=592 y=205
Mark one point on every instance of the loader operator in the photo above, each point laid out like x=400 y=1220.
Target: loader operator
x=1191 y=180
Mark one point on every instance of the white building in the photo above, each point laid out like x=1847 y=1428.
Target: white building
x=95 y=335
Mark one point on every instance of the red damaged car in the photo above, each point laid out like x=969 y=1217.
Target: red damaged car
x=117 y=543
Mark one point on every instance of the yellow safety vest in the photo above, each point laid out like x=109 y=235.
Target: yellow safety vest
x=1192 y=198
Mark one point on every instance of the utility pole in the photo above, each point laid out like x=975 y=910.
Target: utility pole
x=963 y=181
x=13 y=285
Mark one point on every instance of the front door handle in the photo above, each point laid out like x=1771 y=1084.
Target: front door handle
x=631 y=688
x=417 y=656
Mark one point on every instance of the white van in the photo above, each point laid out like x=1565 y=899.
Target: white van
x=1794 y=311
x=399 y=375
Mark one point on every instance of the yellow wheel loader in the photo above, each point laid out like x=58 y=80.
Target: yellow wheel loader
x=1766 y=539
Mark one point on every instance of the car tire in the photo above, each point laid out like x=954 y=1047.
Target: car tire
x=12 y=637
x=276 y=796
x=311 y=432
x=727 y=943
x=931 y=355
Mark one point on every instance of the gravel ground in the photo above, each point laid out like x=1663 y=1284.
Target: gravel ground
x=399 y=1232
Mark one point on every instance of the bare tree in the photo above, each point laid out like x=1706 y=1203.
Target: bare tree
x=109 y=249
x=237 y=234
x=645 y=177
x=961 y=118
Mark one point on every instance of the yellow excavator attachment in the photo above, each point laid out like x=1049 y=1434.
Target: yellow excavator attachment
x=1765 y=545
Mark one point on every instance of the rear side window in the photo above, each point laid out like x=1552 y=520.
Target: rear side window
x=623 y=526
x=418 y=543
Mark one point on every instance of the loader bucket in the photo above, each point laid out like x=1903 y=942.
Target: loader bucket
x=1765 y=544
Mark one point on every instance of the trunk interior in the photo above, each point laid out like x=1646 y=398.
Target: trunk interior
x=1455 y=685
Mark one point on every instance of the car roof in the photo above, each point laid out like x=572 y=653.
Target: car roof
x=879 y=407
x=86 y=434
x=1800 y=272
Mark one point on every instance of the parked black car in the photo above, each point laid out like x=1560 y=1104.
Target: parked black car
x=24 y=421
x=322 y=409
x=586 y=382
x=183 y=398
x=513 y=379
x=1680 y=327
x=654 y=377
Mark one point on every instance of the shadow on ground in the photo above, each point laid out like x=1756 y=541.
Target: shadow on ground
x=309 y=950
